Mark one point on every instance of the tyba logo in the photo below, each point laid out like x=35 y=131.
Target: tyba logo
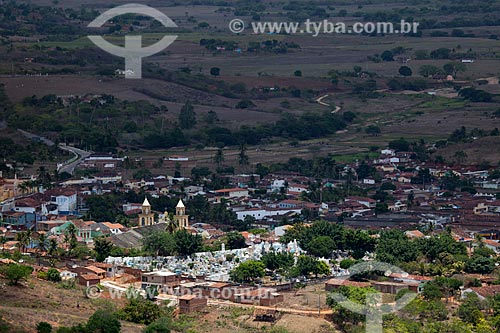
x=133 y=52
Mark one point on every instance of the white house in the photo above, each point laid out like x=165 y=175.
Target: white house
x=297 y=188
x=67 y=275
x=388 y=152
x=367 y=202
x=65 y=199
x=277 y=185
x=260 y=214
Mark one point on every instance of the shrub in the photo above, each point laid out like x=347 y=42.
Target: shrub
x=53 y=275
x=43 y=327
x=15 y=273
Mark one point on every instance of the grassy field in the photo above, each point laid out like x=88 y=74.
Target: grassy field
x=414 y=116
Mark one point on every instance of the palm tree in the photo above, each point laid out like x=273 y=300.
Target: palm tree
x=173 y=225
x=71 y=232
x=32 y=185
x=3 y=240
x=41 y=245
x=243 y=157
x=23 y=240
x=219 y=157
x=23 y=187
x=29 y=234
x=52 y=246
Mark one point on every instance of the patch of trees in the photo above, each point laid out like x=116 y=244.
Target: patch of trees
x=218 y=214
x=388 y=55
x=322 y=238
x=187 y=116
x=166 y=139
x=14 y=273
x=102 y=321
x=272 y=46
x=96 y=124
x=248 y=271
x=346 y=320
x=416 y=84
x=306 y=126
x=180 y=243
x=437 y=255
x=475 y=95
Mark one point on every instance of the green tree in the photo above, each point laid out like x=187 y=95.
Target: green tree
x=453 y=68
x=70 y=233
x=103 y=322
x=53 y=275
x=140 y=311
x=448 y=286
x=53 y=246
x=358 y=242
x=186 y=243
x=219 y=157
x=23 y=239
x=162 y=325
x=235 y=240
x=345 y=318
x=307 y=265
x=42 y=243
x=160 y=243
x=347 y=263
x=373 y=130
x=405 y=71
x=248 y=271
x=321 y=246
x=387 y=56
x=479 y=264
x=3 y=240
x=467 y=311
x=242 y=156
x=429 y=70
x=43 y=327
x=102 y=248
x=211 y=117
x=15 y=273
x=274 y=261
x=394 y=247
x=432 y=292
x=187 y=116
x=215 y=71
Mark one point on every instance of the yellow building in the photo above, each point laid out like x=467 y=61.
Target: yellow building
x=180 y=217
x=6 y=190
x=147 y=217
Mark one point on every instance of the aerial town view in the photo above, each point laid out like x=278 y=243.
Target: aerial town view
x=250 y=166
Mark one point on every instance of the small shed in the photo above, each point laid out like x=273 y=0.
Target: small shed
x=191 y=303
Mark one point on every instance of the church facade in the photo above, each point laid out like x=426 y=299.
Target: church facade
x=180 y=219
x=147 y=217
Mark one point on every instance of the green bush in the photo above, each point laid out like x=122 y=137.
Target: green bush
x=15 y=273
x=43 y=327
x=53 y=275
